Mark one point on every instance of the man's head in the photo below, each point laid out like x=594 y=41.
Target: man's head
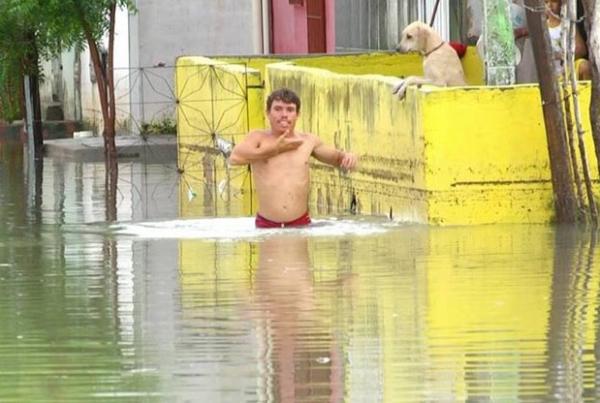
x=283 y=106
x=284 y=95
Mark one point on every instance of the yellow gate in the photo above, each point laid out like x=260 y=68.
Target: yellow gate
x=213 y=113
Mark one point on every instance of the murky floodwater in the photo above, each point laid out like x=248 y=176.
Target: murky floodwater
x=162 y=308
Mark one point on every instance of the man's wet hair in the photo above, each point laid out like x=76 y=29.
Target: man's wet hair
x=284 y=95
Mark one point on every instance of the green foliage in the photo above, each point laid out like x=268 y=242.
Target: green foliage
x=165 y=125
x=72 y=20
x=33 y=30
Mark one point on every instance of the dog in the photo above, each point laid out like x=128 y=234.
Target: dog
x=441 y=64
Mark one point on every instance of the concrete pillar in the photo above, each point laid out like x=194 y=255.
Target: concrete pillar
x=499 y=43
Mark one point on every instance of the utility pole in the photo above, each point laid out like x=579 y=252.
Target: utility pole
x=498 y=43
x=562 y=175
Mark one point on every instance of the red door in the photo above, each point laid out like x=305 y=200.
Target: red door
x=315 y=10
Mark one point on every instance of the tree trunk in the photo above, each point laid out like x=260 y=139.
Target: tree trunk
x=31 y=63
x=38 y=131
x=104 y=81
x=562 y=175
x=592 y=11
x=106 y=92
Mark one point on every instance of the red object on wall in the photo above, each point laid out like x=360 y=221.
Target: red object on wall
x=298 y=2
x=459 y=48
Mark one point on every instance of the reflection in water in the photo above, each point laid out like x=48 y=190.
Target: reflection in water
x=572 y=287
x=302 y=359
x=66 y=298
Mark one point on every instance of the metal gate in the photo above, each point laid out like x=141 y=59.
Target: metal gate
x=213 y=115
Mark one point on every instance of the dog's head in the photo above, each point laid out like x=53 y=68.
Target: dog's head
x=414 y=37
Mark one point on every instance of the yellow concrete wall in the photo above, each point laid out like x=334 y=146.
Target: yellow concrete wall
x=486 y=153
x=465 y=155
x=255 y=62
x=389 y=64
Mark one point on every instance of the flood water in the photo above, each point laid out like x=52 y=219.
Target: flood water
x=159 y=307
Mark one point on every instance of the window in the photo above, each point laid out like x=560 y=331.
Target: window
x=376 y=24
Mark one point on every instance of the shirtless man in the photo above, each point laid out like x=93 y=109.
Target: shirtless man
x=279 y=158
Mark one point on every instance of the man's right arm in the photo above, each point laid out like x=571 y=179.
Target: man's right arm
x=252 y=149
x=255 y=148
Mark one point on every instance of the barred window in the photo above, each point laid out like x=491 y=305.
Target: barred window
x=363 y=25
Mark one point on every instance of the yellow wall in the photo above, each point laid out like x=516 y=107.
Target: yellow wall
x=466 y=155
x=389 y=64
x=486 y=152
x=255 y=62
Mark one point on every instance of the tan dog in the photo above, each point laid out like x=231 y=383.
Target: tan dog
x=441 y=64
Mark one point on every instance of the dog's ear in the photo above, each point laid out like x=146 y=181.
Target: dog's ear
x=431 y=38
x=421 y=37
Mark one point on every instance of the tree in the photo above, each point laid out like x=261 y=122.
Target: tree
x=565 y=201
x=592 y=22
x=93 y=21
x=31 y=30
x=24 y=41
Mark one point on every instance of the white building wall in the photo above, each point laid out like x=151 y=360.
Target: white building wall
x=167 y=30
x=59 y=85
x=160 y=32
x=441 y=22
x=68 y=80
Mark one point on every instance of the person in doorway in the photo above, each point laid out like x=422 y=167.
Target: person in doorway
x=279 y=158
x=525 y=68
x=555 y=26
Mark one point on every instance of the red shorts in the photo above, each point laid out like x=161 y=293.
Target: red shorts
x=262 y=222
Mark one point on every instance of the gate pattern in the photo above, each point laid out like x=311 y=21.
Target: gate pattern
x=212 y=115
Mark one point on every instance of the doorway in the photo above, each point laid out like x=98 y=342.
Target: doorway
x=315 y=12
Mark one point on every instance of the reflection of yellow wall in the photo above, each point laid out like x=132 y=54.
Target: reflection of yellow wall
x=443 y=155
x=215 y=271
x=452 y=294
x=464 y=299
x=464 y=314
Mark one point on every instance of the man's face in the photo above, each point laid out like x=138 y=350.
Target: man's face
x=282 y=116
